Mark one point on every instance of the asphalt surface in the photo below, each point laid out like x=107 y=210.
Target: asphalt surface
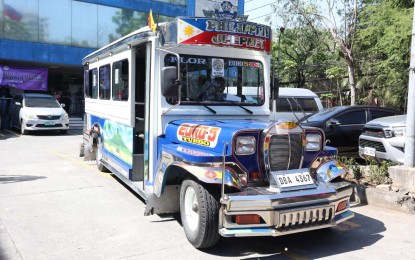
x=54 y=205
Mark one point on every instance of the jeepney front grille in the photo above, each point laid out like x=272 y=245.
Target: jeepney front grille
x=285 y=152
x=297 y=218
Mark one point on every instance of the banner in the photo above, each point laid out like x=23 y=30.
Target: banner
x=24 y=78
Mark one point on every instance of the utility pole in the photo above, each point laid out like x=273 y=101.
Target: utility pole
x=410 y=116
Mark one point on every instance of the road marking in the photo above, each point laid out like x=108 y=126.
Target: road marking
x=347 y=225
x=12 y=133
x=79 y=162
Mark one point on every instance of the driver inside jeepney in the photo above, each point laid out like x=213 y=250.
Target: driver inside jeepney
x=213 y=80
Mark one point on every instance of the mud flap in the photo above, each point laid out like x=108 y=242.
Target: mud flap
x=168 y=203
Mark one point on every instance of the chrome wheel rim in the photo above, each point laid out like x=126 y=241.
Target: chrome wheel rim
x=191 y=208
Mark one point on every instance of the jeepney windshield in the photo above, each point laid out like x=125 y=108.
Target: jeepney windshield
x=222 y=81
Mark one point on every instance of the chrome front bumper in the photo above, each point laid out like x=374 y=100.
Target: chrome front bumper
x=285 y=213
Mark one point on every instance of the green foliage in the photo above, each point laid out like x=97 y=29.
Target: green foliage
x=383 y=48
x=354 y=167
x=378 y=171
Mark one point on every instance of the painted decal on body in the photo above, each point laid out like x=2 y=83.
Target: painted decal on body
x=199 y=134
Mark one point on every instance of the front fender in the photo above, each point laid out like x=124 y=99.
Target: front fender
x=172 y=168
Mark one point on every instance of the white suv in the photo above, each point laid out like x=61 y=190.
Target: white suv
x=384 y=138
x=38 y=112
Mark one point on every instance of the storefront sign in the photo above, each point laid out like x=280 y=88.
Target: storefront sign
x=24 y=78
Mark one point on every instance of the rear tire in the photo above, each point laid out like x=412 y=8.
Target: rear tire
x=199 y=212
x=98 y=158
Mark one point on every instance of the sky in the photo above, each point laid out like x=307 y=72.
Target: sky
x=258 y=10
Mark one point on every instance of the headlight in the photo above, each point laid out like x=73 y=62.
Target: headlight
x=399 y=131
x=65 y=116
x=245 y=145
x=31 y=116
x=313 y=142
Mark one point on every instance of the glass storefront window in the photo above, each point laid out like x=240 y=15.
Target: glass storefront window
x=173 y=2
x=84 y=25
x=55 y=21
x=21 y=20
x=107 y=26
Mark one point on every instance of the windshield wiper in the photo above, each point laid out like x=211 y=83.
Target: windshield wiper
x=200 y=103
x=244 y=108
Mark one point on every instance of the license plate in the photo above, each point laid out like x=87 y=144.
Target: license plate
x=294 y=179
x=369 y=151
x=49 y=123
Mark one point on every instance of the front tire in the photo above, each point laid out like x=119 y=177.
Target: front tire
x=23 y=131
x=199 y=212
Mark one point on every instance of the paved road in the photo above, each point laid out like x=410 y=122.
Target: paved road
x=53 y=205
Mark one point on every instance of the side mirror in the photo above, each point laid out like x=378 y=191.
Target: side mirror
x=169 y=87
x=18 y=103
x=62 y=105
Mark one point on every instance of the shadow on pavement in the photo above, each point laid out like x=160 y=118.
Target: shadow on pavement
x=6 y=179
x=313 y=244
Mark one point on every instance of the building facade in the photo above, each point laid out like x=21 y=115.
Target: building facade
x=57 y=34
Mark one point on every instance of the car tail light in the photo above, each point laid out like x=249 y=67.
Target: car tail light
x=248 y=219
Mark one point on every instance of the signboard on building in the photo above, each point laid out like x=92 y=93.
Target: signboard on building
x=24 y=78
x=212 y=5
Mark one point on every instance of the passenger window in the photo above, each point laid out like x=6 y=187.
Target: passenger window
x=377 y=114
x=93 y=83
x=352 y=118
x=120 y=80
x=87 y=83
x=306 y=105
x=104 y=82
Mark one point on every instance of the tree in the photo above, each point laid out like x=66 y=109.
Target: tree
x=383 y=45
x=337 y=17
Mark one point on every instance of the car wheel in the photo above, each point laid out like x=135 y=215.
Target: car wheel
x=23 y=131
x=199 y=212
x=98 y=158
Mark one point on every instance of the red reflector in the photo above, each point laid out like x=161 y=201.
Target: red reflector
x=342 y=205
x=248 y=219
x=255 y=176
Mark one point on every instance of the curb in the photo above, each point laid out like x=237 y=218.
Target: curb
x=384 y=199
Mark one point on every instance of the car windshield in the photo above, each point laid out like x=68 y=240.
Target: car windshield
x=41 y=102
x=211 y=80
x=322 y=115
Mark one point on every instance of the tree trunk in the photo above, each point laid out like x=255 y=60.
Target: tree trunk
x=352 y=83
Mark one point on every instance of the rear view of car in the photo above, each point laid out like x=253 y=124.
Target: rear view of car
x=384 y=139
x=33 y=112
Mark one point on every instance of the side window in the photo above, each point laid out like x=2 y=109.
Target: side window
x=352 y=118
x=104 y=82
x=87 y=83
x=120 y=80
x=93 y=82
x=306 y=104
x=283 y=105
x=378 y=113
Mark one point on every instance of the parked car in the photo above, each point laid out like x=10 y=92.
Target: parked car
x=38 y=112
x=384 y=139
x=344 y=124
x=296 y=103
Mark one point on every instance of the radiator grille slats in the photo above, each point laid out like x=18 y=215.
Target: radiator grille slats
x=48 y=117
x=285 y=152
x=305 y=217
x=372 y=144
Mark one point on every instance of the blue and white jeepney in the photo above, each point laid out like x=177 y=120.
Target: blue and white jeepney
x=181 y=115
